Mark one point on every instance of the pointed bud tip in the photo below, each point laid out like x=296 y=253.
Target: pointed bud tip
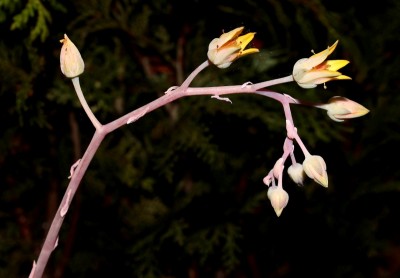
x=278 y=212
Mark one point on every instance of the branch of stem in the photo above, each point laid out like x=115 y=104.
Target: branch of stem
x=50 y=242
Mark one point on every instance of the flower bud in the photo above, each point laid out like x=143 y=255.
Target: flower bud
x=315 y=168
x=71 y=61
x=296 y=173
x=341 y=108
x=278 y=198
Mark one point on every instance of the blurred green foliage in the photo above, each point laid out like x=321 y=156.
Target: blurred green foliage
x=179 y=193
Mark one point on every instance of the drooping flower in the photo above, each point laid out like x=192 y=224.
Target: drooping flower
x=309 y=72
x=71 y=61
x=229 y=46
x=341 y=108
x=315 y=168
x=296 y=173
x=278 y=197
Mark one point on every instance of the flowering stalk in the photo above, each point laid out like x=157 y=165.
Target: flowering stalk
x=222 y=52
x=100 y=133
x=51 y=240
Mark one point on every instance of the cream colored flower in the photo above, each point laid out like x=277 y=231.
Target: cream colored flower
x=341 y=108
x=315 y=168
x=71 y=61
x=278 y=197
x=229 y=46
x=296 y=173
x=309 y=72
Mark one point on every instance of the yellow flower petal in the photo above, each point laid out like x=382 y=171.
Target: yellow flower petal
x=249 y=51
x=244 y=40
x=335 y=65
x=342 y=77
x=318 y=58
x=227 y=37
x=316 y=74
x=326 y=79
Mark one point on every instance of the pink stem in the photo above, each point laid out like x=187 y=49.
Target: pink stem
x=52 y=235
x=102 y=130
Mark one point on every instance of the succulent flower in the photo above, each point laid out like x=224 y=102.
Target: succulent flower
x=309 y=72
x=229 y=47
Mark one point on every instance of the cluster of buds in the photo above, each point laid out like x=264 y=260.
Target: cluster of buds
x=308 y=73
x=313 y=167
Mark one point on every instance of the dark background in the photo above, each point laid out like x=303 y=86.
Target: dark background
x=179 y=193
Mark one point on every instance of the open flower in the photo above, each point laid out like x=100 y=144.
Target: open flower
x=315 y=168
x=309 y=72
x=71 y=61
x=278 y=198
x=229 y=46
x=341 y=108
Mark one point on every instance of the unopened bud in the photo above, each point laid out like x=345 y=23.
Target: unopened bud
x=71 y=61
x=315 y=168
x=341 y=108
x=296 y=173
x=279 y=198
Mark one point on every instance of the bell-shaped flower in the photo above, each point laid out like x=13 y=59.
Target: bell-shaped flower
x=296 y=173
x=309 y=72
x=230 y=46
x=341 y=108
x=315 y=168
x=278 y=198
x=71 y=61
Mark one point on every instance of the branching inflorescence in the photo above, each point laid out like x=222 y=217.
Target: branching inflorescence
x=222 y=52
